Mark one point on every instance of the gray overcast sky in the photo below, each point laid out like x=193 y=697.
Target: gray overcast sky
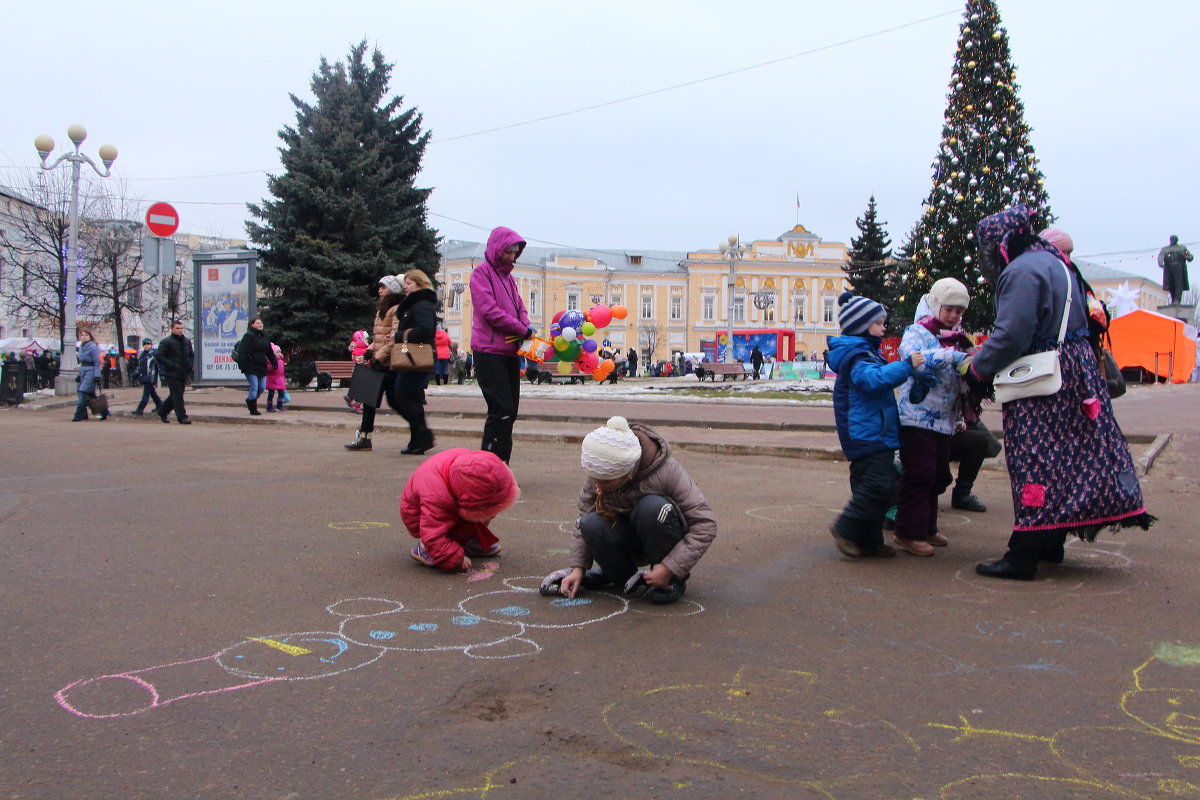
x=193 y=94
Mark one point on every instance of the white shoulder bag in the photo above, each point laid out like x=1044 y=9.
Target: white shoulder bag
x=1037 y=374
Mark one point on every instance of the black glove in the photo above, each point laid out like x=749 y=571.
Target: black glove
x=529 y=332
x=979 y=389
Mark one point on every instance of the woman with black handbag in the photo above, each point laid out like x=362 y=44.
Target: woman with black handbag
x=88 y=377
x=399 y=306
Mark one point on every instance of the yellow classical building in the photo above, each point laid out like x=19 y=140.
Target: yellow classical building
x=678 y=301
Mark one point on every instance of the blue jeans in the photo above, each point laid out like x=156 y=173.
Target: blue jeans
x=258 y=385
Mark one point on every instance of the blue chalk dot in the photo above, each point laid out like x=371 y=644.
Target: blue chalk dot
x=280 y=669
x=513 y=611
x=423 y=626
x=384 y=635
x=239 y=656
x=567 y=602
x=466 y=620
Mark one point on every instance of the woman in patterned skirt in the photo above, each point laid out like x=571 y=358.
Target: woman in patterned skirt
x=1070 y=468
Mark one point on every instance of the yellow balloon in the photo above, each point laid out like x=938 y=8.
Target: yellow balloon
x=564 y=367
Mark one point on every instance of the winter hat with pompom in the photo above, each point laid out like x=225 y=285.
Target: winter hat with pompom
x=610 y=451
x=857 y=313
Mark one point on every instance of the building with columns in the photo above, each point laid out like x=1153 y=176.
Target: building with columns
x=678 y=301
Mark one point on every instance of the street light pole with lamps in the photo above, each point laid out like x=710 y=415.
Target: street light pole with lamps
x=108 y=154
x=734 y=251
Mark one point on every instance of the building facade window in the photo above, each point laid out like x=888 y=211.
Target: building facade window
x=533 y=302
x=708 y=308
x=647 y=306
x=572 y=301
x=739 y=309
x=676 y=307
x=800 y=307
x=827 y=309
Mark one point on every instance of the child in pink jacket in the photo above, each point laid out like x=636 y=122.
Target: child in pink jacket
x=276 y=381
x=448 y=502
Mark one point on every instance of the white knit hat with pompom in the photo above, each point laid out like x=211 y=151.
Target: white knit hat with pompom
x=611 y=451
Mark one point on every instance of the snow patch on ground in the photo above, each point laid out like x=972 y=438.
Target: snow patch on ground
x=662 y=390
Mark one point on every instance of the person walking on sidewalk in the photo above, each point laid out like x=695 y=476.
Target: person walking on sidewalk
x=276 y=381
x=441 y=357
x=147 y=376
x=255 y=359
x=378 y=355
x=89 y=375
x=175 y=357
x=500 y=322
x=416 y=314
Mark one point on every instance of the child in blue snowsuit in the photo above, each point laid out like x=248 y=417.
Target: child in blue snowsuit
x=868 y=425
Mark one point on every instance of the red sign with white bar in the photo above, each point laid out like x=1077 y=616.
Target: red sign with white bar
x=162 y=219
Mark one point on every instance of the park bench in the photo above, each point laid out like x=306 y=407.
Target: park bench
x=336 y=370
x=735 y=371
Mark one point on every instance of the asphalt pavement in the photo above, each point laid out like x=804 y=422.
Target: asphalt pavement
x=228 y=610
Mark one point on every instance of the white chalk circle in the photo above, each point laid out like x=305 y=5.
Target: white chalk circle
x=423 y=630
x=364 y=607
x=534 y=611
x=296 y=656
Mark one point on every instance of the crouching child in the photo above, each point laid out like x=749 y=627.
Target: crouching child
x=448 y=502
x=639 y=508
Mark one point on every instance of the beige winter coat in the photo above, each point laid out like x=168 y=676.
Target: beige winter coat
x=657 y=473
x=381 y=346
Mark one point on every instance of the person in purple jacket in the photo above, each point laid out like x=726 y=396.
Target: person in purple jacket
x=500 y=324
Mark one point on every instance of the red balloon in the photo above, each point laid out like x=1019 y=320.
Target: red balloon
x=554 y=319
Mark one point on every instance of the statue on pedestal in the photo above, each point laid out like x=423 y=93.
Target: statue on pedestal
x=1173 y=260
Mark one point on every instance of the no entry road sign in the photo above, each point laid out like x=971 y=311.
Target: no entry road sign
x=162 y=220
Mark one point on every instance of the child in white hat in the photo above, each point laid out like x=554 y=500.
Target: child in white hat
x=930 y=411
x=638 y=507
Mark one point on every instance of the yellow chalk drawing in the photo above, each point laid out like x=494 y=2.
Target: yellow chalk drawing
x=290 y=649
x=769 y=727
x=358 y=525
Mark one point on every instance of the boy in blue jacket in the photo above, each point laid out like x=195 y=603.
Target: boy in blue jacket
x=868 y=425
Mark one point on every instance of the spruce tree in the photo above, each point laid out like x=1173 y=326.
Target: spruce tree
x=344 y=211
x=985 y=163
x=866 y=268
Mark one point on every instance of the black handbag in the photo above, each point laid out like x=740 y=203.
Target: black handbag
x=366 y=385
x=98 y=403
x=1111 y=372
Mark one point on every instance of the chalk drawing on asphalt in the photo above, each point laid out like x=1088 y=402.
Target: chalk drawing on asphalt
x=765 y=729
x=491 y=625
x=358 y=525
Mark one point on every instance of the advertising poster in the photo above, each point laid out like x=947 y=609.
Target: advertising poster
x=225 y=303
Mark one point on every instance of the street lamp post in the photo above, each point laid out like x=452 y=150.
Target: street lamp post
x=733 y=251
x=108 y=154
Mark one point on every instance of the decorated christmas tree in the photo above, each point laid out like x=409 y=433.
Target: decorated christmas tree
x=985 y=163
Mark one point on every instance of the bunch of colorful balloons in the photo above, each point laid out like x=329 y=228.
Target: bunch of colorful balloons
x=571 y=332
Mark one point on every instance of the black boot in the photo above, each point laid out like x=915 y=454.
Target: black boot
x=362 y=441
x=422 y=440
x=253 y=406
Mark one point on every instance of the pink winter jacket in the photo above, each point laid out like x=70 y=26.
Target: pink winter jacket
x=276 y=379
x=441 y=344
x=446 y=498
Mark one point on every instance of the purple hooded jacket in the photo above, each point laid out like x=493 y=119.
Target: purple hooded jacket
x=499 y=312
